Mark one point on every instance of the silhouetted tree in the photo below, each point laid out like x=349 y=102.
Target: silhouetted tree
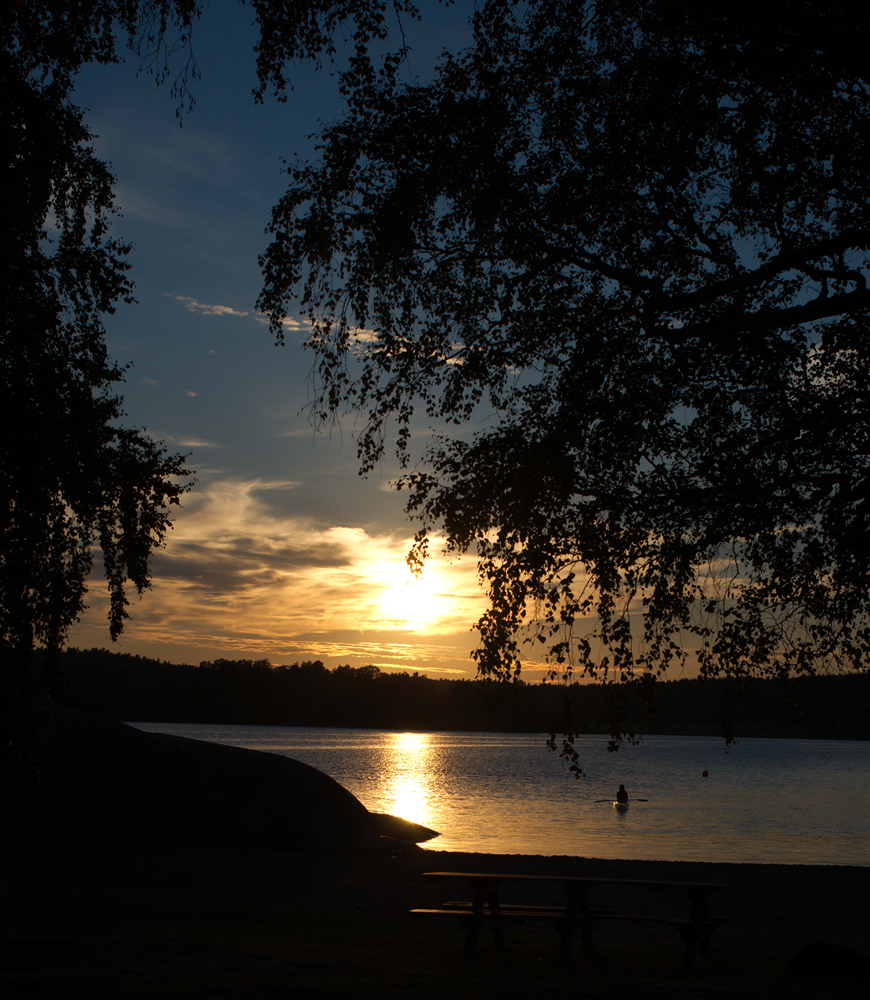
x=71 y=477
x=135 y=688
x=636 y=234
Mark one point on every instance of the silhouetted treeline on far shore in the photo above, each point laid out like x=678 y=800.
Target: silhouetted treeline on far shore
x=254 y=692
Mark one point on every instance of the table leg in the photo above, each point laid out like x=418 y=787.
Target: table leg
x=698 y=906
x=689 y=954
x=495 y=916
x=577 y=907
x=567 y=939
x=474 y=922
x=699 y=911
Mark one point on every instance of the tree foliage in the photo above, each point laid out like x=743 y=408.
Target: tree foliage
x=632 y=240
x=253 y=692
x=72 y=478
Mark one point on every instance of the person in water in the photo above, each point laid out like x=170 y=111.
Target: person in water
x=622 y=794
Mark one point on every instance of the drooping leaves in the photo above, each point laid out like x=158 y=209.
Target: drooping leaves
x=71 y=477
x=636 y=236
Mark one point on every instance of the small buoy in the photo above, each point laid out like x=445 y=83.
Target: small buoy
x=704 y=774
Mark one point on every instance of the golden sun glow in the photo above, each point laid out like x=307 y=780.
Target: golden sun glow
x=409 y=777
x=414 y=603
x=410 y=800
x=240 y=578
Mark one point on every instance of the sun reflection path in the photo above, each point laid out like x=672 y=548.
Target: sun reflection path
x=407 y=768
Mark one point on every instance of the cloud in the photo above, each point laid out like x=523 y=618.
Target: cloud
x=190 y=393
x=358 y=339
x=197 y=154
x=149 y=381
x=207 y=310
x=310 y=432
x=287 y=322
x=241 y=572
x=193 y=442
x=361 y=336
x=153 y=209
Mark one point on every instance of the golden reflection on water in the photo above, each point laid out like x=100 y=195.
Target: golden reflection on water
x=407 y=767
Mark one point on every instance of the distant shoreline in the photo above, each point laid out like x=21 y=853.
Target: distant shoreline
x=858 y=738
x=307 y=694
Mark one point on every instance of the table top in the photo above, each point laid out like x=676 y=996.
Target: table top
x=579 y=880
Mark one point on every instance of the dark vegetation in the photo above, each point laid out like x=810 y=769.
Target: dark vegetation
x=618 y=254
x=635 y=233
x=254 y=692
x=74 y=482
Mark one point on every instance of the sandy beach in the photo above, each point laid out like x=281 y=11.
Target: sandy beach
x=88 y=922
x=772 y=909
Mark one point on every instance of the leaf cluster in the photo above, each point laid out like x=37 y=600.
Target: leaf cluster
x=73 y=479
x=636 y=238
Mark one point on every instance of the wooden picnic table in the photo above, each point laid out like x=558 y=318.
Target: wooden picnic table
x=576 y=912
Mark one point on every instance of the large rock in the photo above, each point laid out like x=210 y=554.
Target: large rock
x=104 y=780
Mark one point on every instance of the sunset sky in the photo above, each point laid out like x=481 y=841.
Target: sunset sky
x=281 y=550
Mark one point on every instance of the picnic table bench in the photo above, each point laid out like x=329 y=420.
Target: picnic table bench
x=575 y=913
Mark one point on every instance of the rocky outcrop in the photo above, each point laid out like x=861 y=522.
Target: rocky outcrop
x=103 y=780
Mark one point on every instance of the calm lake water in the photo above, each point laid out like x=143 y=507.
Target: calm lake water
x=764 y=801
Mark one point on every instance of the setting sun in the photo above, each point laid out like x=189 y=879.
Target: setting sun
x=415 y=603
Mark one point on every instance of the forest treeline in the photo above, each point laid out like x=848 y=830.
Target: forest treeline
x=254 y=692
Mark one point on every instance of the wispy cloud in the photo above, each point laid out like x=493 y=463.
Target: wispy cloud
x=153 y=209
x=287 y=322
x=197 y=154
x=361 y=336
x=192 y=305
x=359 y=339
x=194 y=442
x=293 y=432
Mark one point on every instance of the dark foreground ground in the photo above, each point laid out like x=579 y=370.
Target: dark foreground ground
x=90 y=922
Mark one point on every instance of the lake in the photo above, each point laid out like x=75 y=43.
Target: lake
x=772 y=801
